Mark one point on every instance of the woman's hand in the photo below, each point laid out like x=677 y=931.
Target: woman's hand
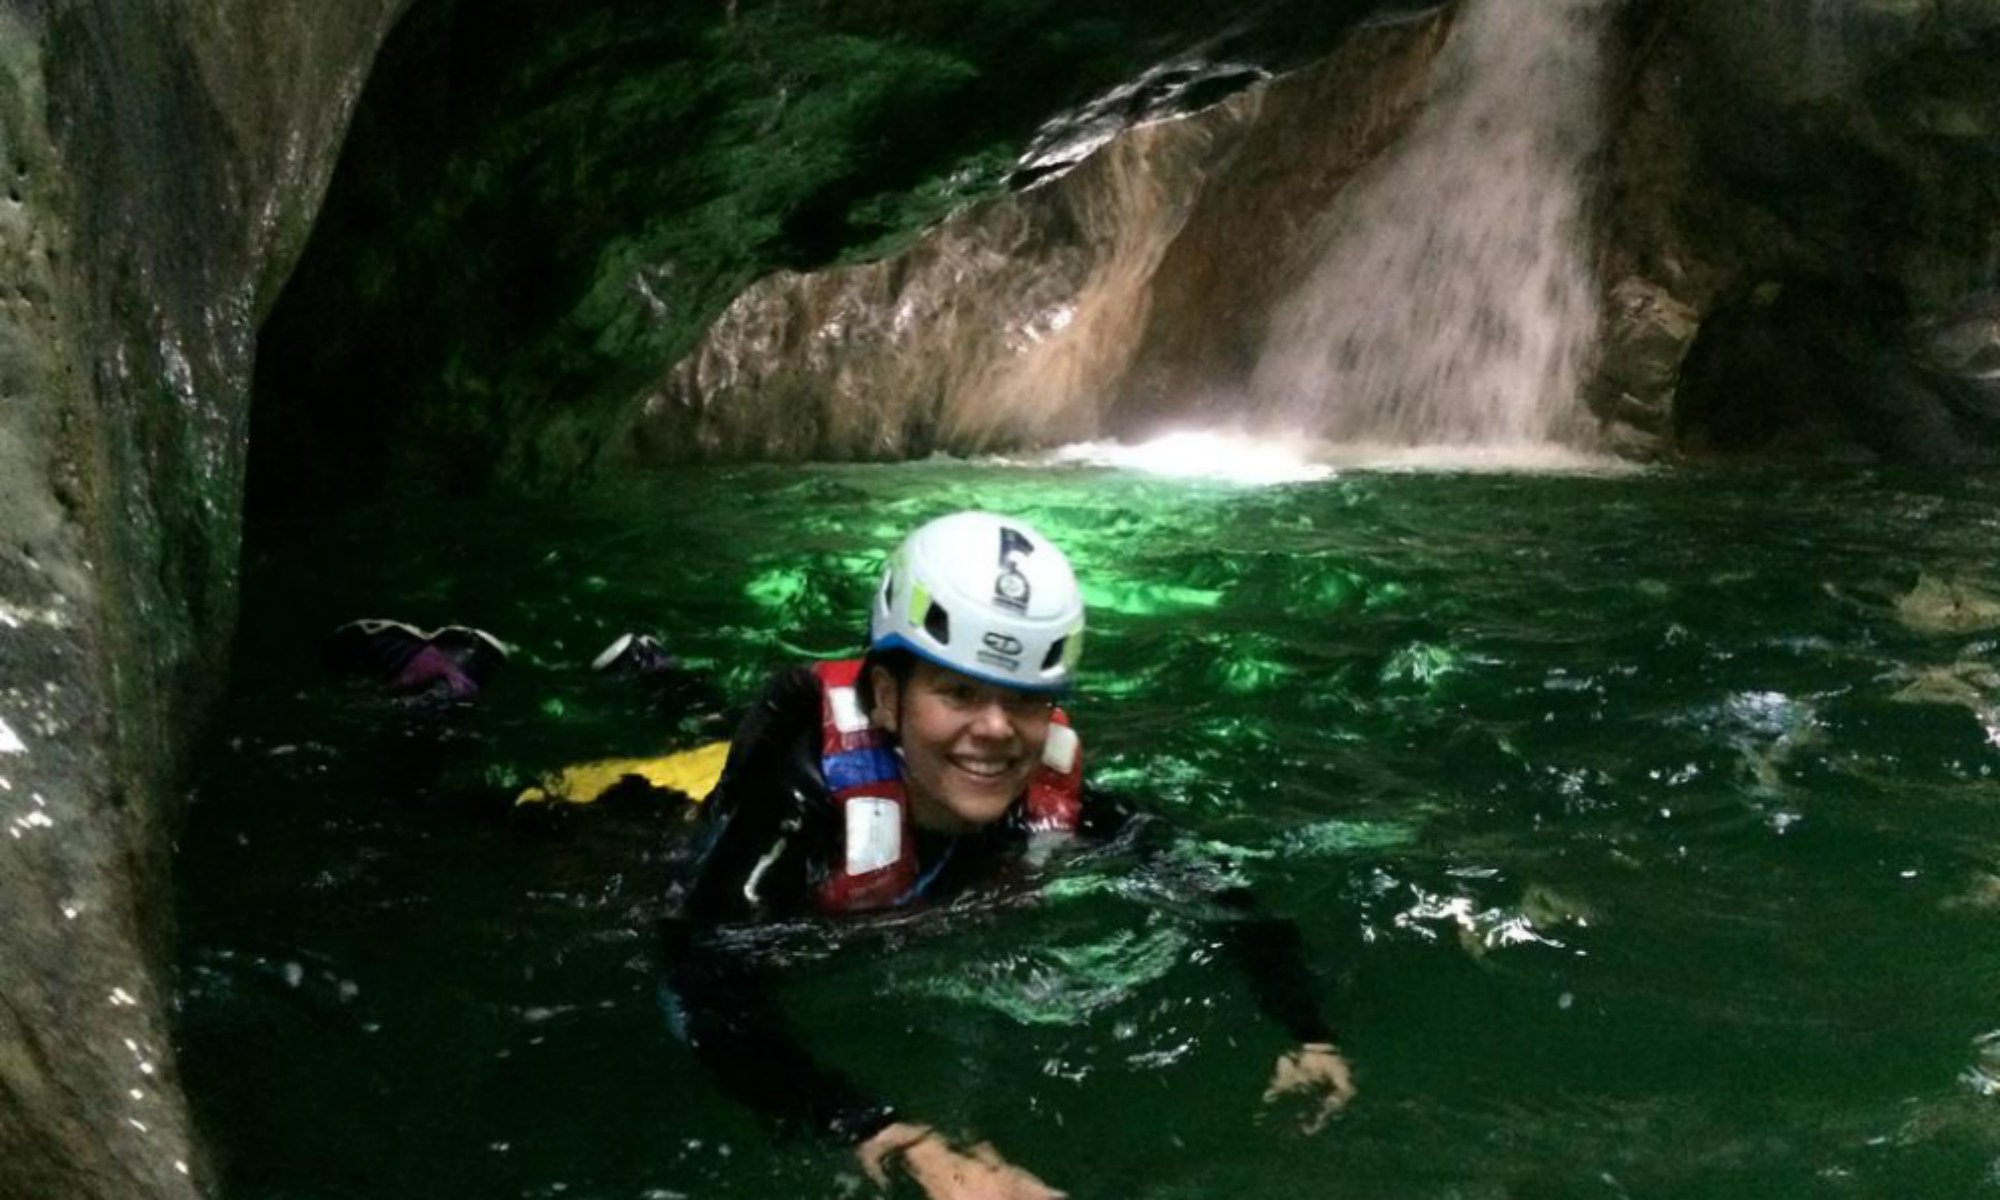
x=1314 y=1068
x=945 y=1172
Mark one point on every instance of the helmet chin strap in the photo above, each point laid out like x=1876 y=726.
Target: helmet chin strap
x=922 y=804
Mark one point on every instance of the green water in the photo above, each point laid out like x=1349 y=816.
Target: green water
x=1641 y=828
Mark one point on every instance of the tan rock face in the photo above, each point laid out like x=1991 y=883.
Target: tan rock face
x=1048 y=315
x=1004 y=324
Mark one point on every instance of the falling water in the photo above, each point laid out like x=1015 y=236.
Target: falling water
x=1452 y=302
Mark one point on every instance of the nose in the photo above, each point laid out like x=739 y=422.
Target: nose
x=992 y=722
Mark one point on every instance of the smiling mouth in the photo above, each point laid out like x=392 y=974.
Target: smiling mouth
x=986 y=769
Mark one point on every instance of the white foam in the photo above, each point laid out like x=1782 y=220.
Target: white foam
x=1532 y=458
x=1203 y=454
x=1252 y=460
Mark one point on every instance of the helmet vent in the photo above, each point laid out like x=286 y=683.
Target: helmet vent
x=937 y=623
x=1055 y=653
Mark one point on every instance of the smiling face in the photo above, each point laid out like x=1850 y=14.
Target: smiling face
x=968 y=747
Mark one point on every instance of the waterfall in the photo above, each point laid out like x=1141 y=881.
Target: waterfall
x=1451 y=299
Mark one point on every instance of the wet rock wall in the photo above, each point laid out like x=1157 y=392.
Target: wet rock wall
x=162 y=164
x=1803 y=250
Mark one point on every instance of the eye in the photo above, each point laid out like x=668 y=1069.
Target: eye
x=1027 y=705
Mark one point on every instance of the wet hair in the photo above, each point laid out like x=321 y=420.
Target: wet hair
x=900 y=664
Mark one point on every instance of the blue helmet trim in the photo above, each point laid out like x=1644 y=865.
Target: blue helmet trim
x=897 y=641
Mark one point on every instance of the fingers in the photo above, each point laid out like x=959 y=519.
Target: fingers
x=878 y=1151
x=877 y=1174
x=1329 y=1106
x=1313 y=1069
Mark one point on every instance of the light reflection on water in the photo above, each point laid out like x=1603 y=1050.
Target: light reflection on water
x=1641 y=827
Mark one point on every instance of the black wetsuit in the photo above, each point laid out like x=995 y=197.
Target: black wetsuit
x=774 y=835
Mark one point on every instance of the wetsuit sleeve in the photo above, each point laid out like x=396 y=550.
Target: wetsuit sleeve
x=1268 y=949
x=768 y=812
x=1271 y=953
x=719 y=1001
x=767 y=807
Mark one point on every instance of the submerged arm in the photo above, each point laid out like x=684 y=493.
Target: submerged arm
x=720 y=1003
x=719 y=999
x=716 y=993
x=1271 y=953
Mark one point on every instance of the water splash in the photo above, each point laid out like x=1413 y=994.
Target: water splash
x=1252 y=460
x=1452 y=302
x=1202 y=454
x=1512 y=458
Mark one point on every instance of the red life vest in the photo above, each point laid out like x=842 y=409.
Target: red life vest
x=878 y=863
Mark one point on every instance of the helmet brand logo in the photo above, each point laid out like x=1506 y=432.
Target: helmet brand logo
x=1002 y=644
x=1002 y=651
x=1010 y=587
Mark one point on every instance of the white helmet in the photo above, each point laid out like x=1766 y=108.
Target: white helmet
x=985 y=595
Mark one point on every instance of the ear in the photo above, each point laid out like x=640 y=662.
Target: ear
x=887 y=713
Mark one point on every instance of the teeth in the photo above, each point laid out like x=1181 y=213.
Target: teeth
x=986 y=769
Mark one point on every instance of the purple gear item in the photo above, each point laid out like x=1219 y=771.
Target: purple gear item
x=453 y=662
